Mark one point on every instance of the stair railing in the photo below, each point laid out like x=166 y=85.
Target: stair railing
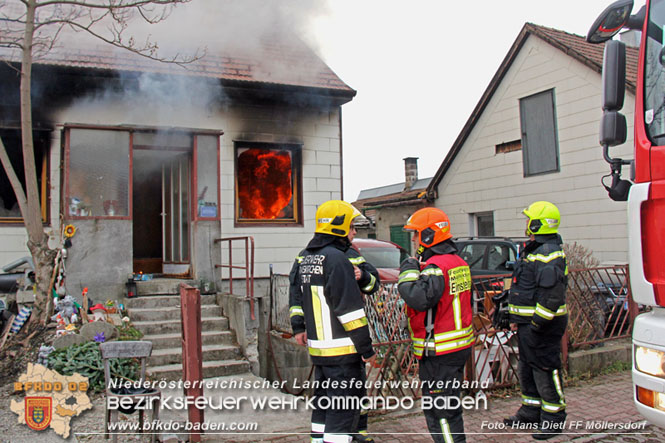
x=248 y=267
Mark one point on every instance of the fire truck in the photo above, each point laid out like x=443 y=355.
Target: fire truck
x=645 y=190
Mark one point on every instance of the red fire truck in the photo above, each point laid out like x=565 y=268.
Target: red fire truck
x=645 y=191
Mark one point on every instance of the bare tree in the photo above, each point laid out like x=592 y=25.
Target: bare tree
x=32 y=28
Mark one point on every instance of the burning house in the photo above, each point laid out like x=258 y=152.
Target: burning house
x=153 y=162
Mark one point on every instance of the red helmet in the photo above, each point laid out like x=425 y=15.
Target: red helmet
x=431 y=224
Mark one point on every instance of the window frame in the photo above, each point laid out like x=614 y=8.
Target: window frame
x=195 y=176
x=130 y=185
x=43 y=174
x=296 y=178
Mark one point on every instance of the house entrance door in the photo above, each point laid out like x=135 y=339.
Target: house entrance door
x=161 y=188
x=175 y=215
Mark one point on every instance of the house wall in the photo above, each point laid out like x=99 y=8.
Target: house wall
x=479 y=180
x=392 y=216
x=101 y=255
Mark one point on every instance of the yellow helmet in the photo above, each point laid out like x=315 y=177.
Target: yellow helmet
x=334 y=217
x=544 y=218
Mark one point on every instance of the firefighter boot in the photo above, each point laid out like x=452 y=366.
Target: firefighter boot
x=362 y=436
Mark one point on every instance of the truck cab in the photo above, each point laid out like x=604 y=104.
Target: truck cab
x=645 y=189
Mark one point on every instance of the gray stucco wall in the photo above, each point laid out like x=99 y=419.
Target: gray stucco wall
x=205 y=253
x=100 y=258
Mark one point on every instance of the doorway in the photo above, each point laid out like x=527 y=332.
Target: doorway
x=161 y=215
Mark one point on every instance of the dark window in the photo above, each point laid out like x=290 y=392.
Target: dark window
x=11 y=139
x=485 y=224
x=268 y=188
x=540 y=145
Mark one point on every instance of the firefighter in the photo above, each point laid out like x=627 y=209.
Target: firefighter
x=328 y=315
x=436 y=287
x=538 y=312
x=368 y=281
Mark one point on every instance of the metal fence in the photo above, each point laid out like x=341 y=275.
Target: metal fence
x=600 y=309
x=600 y=305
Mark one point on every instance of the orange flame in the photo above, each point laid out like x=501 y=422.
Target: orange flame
x=264 y=184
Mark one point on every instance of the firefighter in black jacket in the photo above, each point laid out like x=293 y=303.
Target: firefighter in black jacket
x=368 y=281
x=538 y=312
x=436 y=287
x=327 y=313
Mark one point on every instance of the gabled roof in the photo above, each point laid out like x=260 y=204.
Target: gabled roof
x=277 y=63
x=574 y=45
x=391 y=195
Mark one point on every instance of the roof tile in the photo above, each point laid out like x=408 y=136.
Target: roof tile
x=289 y=64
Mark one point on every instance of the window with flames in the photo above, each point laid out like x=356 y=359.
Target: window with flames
x=268 y=181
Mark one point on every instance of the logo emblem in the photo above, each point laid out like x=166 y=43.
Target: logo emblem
x=38 y=412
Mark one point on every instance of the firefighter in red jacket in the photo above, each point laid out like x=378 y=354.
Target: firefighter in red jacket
x=327 y=314
x=436 y=287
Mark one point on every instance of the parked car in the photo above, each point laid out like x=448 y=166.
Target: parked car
x=612 y=299
x=487 y=256
x=384 y=255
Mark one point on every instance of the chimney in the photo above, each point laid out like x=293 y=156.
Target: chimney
x=410 y=172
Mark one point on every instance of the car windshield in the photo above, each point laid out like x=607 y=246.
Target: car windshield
x=382 y=257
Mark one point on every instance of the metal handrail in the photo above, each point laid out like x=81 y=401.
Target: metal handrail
x=248 y=267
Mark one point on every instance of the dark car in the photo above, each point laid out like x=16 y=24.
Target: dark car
x=488 y=256
x=384 y=255
x=613 y=316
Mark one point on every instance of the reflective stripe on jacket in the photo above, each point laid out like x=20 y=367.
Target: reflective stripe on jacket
x=444 y=324
x=538 y=291
x=325 y=301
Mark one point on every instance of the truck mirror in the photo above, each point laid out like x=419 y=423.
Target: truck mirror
x=610 y=21
x=613 y=128
x=614 y=75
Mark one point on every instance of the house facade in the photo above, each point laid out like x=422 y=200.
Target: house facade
x=153 y=163
x=534 y=136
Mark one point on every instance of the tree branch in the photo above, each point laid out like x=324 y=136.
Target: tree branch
x=110 y=4
x=13 y=179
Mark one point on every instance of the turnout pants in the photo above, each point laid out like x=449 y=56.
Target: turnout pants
x=539 y=371
x=333 y=420
x=442 y=378
x=364 y=413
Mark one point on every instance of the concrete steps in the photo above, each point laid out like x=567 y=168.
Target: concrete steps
x=157 y=316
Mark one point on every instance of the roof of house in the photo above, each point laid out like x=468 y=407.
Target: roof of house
x=391 y=195
x=574 y=45
x=277 y=62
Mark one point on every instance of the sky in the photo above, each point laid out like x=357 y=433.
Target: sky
x=419 y=68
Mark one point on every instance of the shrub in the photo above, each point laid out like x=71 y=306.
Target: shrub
x=579 y=257
x=86 y=359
